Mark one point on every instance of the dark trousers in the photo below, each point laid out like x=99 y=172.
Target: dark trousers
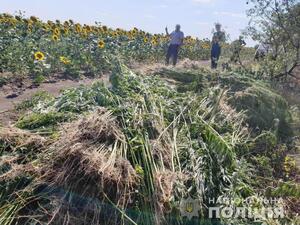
x=214 y=62
x=172 y=52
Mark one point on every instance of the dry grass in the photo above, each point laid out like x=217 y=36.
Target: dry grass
x=88 y=164
x=15 y=138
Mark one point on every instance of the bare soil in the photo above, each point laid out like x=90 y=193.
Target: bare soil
x=14 y=93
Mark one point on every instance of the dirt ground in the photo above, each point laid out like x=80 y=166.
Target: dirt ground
x=11 y=94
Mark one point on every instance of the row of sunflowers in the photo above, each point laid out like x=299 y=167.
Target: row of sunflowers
x=31 y=46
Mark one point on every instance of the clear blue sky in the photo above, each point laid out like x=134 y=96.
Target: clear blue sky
x=197 y=17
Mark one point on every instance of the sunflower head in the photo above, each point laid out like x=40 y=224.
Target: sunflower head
x=84 y=33
x=78 y=28
x=55 y=37
x=154 y=42
x=88 y=28
x=104 y=28
x=145 y=39
x=101 y=44
x=56 y=31
x=39 y=56
x=45 y=27
x=66 y=31
x=18 y=18
x=115 y=34
x=34 y=19
x=66 y=24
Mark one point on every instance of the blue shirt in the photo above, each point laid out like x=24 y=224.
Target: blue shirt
x=176 y=38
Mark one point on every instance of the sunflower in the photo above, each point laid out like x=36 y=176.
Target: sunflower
x=55 y=37
x=118 y=31
x=114 y=34
x=66 y=31
x=64 y=60
x=18 y=18
x=39 y=56
x=145 y=39
x=29 y=28
x=101 y=44
x=154 y=42
x=84 y=33
x=45 y=27
x=56 y=31
x=130 y=37
x=78 y=28
x=206 y=46
x=66 y=24
x=88 y=28
x=34 y=19
x=104 y=28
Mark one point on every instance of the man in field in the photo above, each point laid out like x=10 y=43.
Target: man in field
x=176 y=40
x=215 y=52
x=261 y=51
x=219 y=34
x=236 y=48
x=218 y=38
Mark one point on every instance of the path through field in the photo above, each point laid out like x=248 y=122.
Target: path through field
x=8 y=98
x=7 y=101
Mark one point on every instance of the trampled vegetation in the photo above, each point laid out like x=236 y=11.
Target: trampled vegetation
x=129 y=153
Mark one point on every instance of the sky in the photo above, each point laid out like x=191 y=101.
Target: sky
x=196 y=17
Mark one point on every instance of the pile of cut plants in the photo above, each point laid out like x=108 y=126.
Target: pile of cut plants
x=129 y=153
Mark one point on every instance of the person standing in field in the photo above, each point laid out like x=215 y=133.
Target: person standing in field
x=215 y=52
x=261 y=51
x=176 y=40
x=236 y=48
x=218 y=38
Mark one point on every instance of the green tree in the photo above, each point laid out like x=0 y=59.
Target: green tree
x=277 y=23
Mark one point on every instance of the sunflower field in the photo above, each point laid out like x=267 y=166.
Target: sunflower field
x=30 y=46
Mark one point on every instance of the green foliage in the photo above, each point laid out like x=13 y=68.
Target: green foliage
x=265 y=143
x=41 y=97
x=3 y=81
x=264 y=108
x=197 y=138
x=39 y=79
x=43 y=120
x=287 y=189
x=276 y=23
